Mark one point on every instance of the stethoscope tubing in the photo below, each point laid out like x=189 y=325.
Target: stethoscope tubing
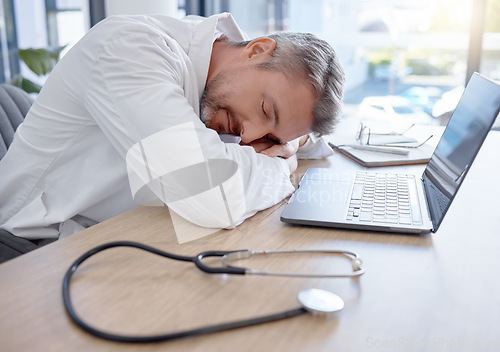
x=161 y=337
x=197 y=260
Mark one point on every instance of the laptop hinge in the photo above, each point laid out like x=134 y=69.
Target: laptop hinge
x=427 y=208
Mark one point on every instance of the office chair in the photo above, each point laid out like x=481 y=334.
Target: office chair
x=14 y=105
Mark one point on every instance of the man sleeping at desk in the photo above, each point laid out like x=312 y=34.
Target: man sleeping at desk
x=146 y=104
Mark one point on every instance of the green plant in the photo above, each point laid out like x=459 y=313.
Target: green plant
x=41 y=61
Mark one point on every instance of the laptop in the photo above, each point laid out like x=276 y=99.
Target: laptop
x=391 y=202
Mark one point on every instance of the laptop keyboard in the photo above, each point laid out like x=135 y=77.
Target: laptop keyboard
x=384 y=198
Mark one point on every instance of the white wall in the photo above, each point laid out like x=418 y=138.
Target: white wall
x=31 y=27
x=336 y=22
x=31 y=23
x=137 y=7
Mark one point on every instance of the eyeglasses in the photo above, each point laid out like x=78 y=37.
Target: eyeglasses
x=364 y=136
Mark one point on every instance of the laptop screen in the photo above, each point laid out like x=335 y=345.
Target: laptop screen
x=470 y=123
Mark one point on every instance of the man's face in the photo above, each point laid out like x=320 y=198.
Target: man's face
x=254 y=103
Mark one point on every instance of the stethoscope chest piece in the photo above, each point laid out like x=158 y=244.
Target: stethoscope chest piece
x=319 y=301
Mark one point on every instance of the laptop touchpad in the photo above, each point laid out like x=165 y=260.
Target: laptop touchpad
x=321 y=196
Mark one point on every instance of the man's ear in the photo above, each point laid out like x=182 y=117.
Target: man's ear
x=259 y=47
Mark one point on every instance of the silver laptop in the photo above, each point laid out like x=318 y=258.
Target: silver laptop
x=391 y=202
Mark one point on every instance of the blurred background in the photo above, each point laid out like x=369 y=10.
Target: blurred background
x=406 y=61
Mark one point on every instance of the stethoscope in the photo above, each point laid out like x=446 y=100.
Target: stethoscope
x=314 y=301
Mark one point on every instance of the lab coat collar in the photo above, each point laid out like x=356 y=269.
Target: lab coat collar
x=204 y=36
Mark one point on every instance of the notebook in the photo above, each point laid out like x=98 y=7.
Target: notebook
x=370 y=158
x=370 y=200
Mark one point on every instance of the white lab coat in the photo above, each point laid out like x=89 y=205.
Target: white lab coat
x=127 y=79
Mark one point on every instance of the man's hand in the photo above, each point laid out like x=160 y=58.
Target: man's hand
x=286 y=151
x=261 y=144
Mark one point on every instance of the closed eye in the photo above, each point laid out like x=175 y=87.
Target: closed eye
x=269 y=135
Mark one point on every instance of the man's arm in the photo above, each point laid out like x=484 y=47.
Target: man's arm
x=287 y=151
x=150 y=100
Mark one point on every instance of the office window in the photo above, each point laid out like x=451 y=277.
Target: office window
x=490 y=58
x=409 y=56
x=66 y=21
x=8 y=44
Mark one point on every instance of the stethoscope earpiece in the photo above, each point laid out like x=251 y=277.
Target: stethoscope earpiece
x=357 y=264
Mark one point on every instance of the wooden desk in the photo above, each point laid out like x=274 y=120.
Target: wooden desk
x=434 y=293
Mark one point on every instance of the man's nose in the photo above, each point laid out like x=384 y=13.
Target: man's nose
x=252 y=131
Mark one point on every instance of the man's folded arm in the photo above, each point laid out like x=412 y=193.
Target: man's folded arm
x=146 y=111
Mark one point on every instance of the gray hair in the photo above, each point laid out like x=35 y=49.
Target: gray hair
x=303 y=55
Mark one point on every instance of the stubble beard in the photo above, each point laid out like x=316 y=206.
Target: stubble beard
x=210 y=104
x=214 y=99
